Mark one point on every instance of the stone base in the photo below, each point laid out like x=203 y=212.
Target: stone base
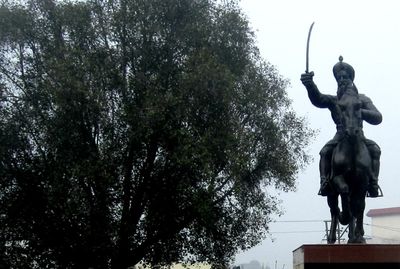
x=347 y=256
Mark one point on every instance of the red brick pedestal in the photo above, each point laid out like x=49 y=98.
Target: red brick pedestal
x=347 y=256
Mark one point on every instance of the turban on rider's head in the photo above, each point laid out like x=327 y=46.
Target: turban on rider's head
x=342 y=66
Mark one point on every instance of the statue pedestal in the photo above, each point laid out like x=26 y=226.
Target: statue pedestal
x=347 y=256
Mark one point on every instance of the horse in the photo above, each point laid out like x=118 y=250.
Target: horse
x=350 y=171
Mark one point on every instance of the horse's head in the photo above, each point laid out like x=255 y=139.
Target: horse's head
x=350 y=106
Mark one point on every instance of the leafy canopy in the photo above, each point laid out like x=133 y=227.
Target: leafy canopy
x=138 y=131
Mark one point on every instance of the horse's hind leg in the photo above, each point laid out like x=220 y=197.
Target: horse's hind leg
x=333 y=202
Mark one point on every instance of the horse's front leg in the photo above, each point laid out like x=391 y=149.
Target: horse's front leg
x=333 y=203
x=343 y=189
x=359 y=230
x=345 y=217
x=358 y=206
x=359 y=225
x=352 y=237
x=332 y=231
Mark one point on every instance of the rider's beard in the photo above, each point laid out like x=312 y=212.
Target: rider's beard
x=341 y=90
x=342 y=87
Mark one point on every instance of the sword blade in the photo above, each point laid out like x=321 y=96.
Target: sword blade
x=308 y=46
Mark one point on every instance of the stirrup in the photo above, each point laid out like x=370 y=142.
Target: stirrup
x=380 y=193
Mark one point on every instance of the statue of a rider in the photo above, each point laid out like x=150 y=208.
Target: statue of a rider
x=344 y=75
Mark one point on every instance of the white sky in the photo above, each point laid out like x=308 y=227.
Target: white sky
x=367 y=34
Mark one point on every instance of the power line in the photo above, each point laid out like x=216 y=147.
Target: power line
x=280 y=221
x=394 y=229
x=295 y=232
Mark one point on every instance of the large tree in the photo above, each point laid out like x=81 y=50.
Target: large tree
x=138 y=130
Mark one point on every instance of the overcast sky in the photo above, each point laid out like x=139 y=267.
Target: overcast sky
x=367 y=34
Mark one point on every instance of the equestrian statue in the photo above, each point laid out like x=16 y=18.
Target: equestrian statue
x=349 y=162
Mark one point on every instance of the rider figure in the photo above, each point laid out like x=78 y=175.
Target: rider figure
x=344 y=75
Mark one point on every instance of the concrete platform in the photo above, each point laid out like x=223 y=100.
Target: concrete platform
x=347 y=256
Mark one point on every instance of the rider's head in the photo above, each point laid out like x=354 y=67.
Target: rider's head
x=344 y=75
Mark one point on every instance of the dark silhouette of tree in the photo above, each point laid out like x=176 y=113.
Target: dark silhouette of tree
x=138 y=131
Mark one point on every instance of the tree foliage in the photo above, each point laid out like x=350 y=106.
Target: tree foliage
x=138 y=131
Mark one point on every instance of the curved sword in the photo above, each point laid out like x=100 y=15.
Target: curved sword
x=308 y=45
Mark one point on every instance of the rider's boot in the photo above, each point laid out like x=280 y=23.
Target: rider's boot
x=324 y=188
x=373 y=187
x=324 y=169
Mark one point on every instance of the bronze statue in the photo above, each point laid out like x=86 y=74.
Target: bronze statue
x=349 y=163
